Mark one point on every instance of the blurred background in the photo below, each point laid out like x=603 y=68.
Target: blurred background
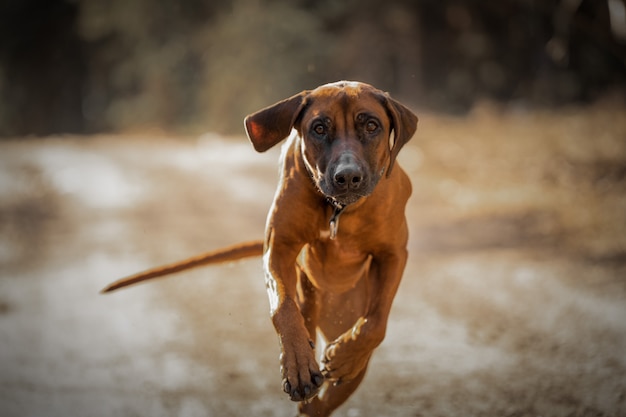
x=87 y=66
x=122 y=148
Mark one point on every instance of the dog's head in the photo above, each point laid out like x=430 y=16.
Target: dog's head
x=346 y=130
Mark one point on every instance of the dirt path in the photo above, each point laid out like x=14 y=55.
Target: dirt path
x=513 y=302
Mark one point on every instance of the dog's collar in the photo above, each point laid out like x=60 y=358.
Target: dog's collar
x=334 y=219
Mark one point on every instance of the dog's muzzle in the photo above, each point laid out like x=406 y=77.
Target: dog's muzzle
x=348 y=175
x=346 y=180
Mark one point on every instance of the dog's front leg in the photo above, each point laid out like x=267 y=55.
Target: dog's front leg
x=348 y=355
x=301 y=374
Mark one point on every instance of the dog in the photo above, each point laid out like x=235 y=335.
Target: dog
x=336 y=235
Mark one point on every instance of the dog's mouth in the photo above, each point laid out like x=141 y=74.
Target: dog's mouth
x=346 y=198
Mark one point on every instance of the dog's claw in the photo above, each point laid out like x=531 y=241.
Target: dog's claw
x=318 y=380
x=305 y=391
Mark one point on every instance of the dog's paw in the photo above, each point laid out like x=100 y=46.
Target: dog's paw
x=347 y=356
x=302 y=378
x=342 y=364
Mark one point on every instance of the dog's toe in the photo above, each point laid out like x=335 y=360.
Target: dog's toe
x=304 y=390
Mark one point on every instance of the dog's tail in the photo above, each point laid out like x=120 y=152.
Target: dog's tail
x=231 y=253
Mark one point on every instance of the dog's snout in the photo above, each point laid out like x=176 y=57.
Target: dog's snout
x=348 y=175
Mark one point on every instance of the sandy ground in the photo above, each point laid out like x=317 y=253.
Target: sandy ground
x=513 y=302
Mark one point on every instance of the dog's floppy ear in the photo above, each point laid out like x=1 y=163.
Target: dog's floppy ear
x=404 y=126
x=272 y=124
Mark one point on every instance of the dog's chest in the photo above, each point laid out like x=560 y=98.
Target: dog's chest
x=343 y=248
x=332 y=265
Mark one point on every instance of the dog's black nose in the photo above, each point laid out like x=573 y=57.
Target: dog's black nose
x=348 y=176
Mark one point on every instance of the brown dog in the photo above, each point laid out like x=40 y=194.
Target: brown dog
x=323 y=274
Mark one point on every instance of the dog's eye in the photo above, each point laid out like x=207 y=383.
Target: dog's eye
x=371 y=126
x=319 y=129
